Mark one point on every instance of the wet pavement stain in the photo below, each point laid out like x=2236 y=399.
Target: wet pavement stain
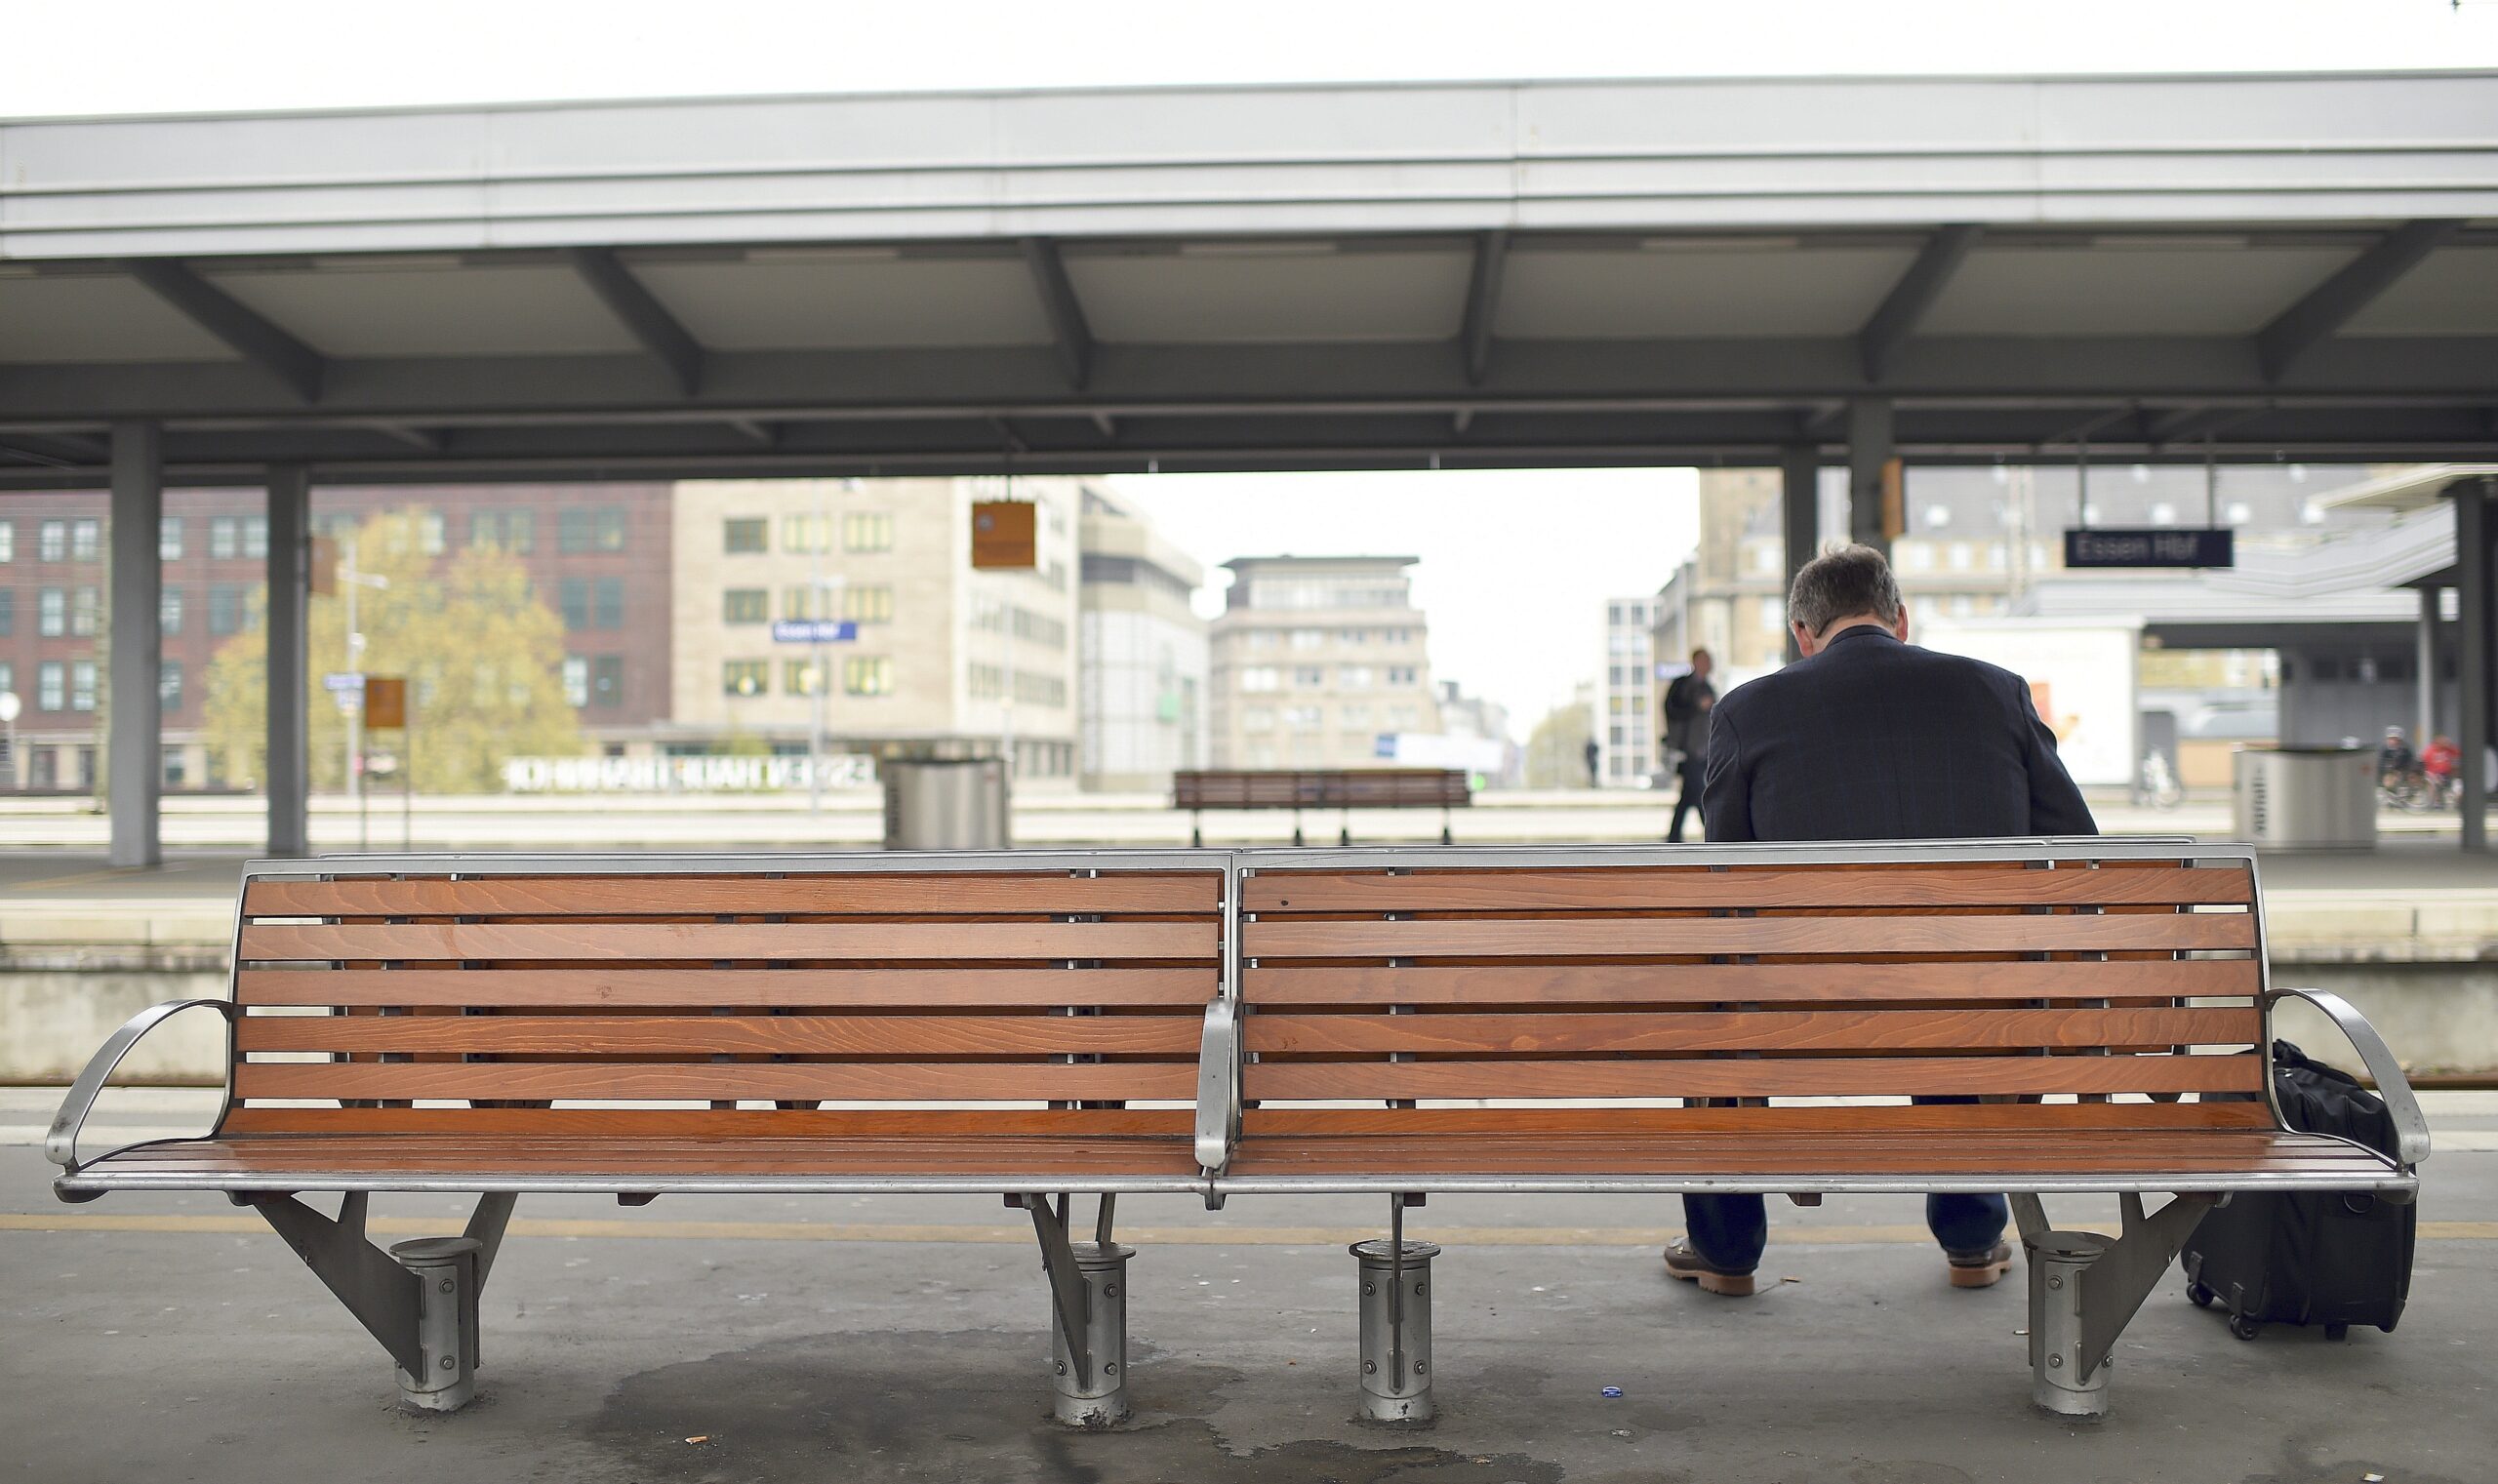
x=873 y=1408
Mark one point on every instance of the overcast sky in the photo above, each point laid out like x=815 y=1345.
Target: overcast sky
x=1515 y=565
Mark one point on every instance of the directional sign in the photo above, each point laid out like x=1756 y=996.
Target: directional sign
x=2151 y=547
x=344 y=681
x=814 y=632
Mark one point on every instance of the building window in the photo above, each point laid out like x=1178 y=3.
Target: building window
x=1256 y=718
x=746 y=605
x=170 y=768
x=222 y=539
x=514 y=530
x=1353 y=636
x=1305 y=718
x=86 y=540
x=84 y=606
x=799 y=677
x=1260 y=677
x=607 y=681
x=867 y=531
x=431 y=536
x=746 y=536
x=1355 y=677
x=746 y=677
x=50 y=687
x=1403 y=674
x=8 y=541
x=806 y=601
x=52 y=541
x=7 y=611
x=1773 y=613
x=1309 y=675
x=2239 y=514
x=8 y=676
x=806 y=533
x=169 y=539
x=1356 y=716
x=573 y=598
x=1308 y=638
x=868 y=605
x=169 y=685
x=607 y=603
x=52 y=612
x=1961 y=556
x=593 y=528
x=225 y=608
x=2163 y=515
x=82 y=685
x=169 y=612
x=576 y=681
x=873 y=675
x=1261 y=638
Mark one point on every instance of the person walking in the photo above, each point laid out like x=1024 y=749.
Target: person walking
x=1689 y=701
x=1870 y=737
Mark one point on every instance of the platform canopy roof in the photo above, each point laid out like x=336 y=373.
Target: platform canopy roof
x=1287 y=277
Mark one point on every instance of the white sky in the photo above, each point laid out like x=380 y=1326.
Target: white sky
x=1514 y=564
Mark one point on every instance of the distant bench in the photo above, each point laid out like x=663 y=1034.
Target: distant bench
x=1346 y=788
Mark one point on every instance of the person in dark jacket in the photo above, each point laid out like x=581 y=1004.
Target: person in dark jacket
x=1870 y=738
x=1688 y=702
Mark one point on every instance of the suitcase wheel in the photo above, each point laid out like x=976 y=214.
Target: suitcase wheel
x=2199 y=1295
x=2337 y=1331
x=2244 y=1328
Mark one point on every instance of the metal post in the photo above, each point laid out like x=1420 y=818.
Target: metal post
x=134 y=768
x=1396 y=1329
x=2425 y=667
x=1100 y=1398
x=446 y=1273
x=350 y=581
x=1799 y=478
x=288 y=773
x=1868 y=449
x=2473 y=576
x=2064 y=1379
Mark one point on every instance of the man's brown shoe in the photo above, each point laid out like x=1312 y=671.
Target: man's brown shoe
x=1980 y=1270
x=1682 y=1261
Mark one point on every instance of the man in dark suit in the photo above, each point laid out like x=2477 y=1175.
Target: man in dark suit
x=1870 y=738
x=1688 y=702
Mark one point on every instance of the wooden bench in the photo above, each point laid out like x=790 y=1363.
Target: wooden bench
x=1344 y=788
x=656 y=1026
x=1411 y=1020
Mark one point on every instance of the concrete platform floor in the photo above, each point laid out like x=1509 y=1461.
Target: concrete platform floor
x=903 y=1339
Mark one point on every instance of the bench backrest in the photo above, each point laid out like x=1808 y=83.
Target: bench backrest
x=463 y=995
x=1376 y=980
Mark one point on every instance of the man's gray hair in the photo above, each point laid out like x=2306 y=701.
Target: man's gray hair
x=1840 y=583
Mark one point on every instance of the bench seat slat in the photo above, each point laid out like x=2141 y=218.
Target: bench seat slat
x=838 y=1081
x=1767 y=1030
x=884 y=1035
x=1545 y=984
x=942 y=942
x=1827 y=887
x=297 y=1158
x=2218 y=1152
x=785 y=988
x=1627 y=936
x=716 y=1123
x=1780 y=1077
x=842 y=892
x=1835 y=1118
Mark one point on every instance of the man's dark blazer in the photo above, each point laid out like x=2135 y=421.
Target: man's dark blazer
x=1877 y=740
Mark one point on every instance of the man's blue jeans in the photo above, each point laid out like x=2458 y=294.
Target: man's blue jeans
x=1729 y=1231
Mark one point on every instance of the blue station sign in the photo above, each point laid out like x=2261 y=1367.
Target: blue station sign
x=815 y=632
x=2151 y=547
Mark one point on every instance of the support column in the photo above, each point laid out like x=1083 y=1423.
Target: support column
x=1095 y=1394
x=1868 y=449
x=447 y=1280
x=134 y=750
x=287 y=774
x=1396 y=1329
x=2425 y=667
x=1800 y=478
x=2473 y=576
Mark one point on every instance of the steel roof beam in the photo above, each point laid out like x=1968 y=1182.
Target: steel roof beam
x=2333 y=303
x=1903 y=309
x=245 y=330
x=642 y=315
x=1072 y=336
x=1483 y=302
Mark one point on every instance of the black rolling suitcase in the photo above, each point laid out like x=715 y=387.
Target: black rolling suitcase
x=2329 y=1258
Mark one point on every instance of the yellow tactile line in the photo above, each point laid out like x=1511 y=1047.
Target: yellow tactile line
x=1187 y=1237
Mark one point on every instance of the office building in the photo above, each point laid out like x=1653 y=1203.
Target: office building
x=1316 y=658
x=1628 y=721
x=1141 y=651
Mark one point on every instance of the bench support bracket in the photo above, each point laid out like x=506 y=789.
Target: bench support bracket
x=2085 y=1288
x=419 y=1298
x=1397 y=1323
x=1089 y=1309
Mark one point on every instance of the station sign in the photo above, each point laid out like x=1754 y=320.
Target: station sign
x=1005 y=535
x=344 y=682
x=2151 y=547
x=815 y=631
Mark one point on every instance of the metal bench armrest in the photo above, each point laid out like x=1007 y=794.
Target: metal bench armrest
x=2411 y=1125
x=1219 y=1085
x=61 y=1142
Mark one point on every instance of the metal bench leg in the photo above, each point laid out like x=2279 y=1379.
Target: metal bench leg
x=1089 y=1312
x=2084 y=1288
x=1397 y=1323
x=419 y=1298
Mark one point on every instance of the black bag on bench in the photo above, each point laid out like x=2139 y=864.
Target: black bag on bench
x=2335 y=1258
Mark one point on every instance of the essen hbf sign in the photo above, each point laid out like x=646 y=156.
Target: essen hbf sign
x=2151 y=547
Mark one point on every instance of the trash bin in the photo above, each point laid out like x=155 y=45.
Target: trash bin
x=945 y=803
x=2305 y=798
